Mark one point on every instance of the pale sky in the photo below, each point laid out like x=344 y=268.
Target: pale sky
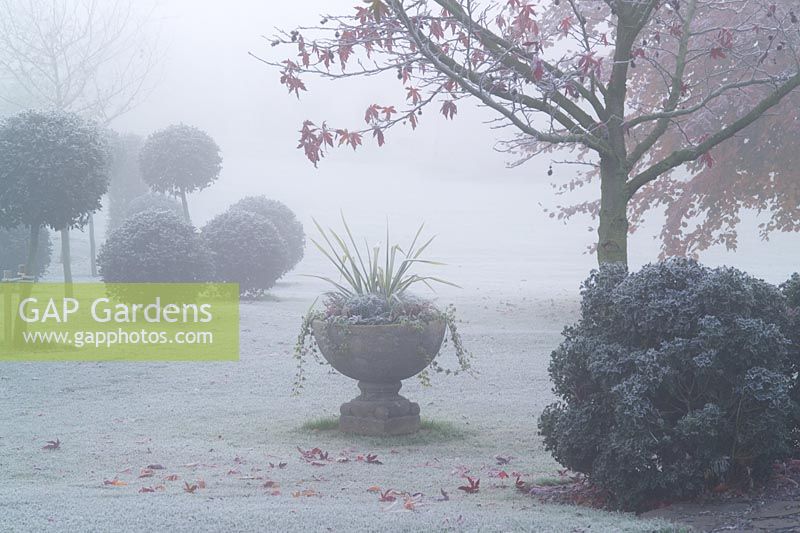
x=446 y=172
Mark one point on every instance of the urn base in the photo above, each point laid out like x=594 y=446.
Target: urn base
x=379 y=411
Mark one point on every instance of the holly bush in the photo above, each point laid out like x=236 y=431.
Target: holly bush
x=676 y=379
x=154 y=246
x=247 y=249
x=285 y=221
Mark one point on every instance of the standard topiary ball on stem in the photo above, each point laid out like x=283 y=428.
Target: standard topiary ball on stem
x=247 y=249
x=178 y=160
x=675 y=379
x=154 y=246
x=284 y=219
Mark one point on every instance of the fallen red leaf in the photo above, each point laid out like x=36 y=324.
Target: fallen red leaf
x=473 y=487
x=373 y=459
x=52 y=445
x=388 y=496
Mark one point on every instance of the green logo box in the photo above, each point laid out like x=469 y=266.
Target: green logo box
x=119 y=322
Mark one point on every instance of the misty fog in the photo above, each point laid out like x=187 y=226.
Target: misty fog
x=489 y=218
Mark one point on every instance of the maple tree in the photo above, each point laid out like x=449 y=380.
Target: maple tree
x=639 y=93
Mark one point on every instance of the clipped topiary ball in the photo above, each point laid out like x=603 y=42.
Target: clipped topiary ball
x=284 y=219
x=154 y=246
x=150 y=201
x=247 y=249
x=14 y=250
x=676 y=379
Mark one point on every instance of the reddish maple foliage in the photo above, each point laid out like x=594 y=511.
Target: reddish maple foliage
x=680 y=105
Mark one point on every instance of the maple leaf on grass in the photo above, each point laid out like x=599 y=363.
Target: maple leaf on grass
x=191 y=489
x=388 y=496
x=372 y=459
x=472 y=487
x=52 y=445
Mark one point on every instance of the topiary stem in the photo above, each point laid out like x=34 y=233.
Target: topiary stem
x=66 y=260
x=33 y=246
x=185 y=205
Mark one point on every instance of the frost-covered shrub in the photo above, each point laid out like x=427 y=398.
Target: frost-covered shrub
x=152 y=201
x=14 y=249
x=154 y=246
x=791 y=289
x=247 y=249
x=674 y=380
x=289 y=228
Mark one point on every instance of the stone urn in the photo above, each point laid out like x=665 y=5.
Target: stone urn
x=379 y=357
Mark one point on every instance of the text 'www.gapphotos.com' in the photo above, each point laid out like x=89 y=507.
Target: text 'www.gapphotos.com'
x=106 y=339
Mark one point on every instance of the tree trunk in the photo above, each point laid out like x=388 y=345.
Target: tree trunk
x=612 y=245
x=185 y=207
x=67 y=261
x=33 y=248
x=92 y=246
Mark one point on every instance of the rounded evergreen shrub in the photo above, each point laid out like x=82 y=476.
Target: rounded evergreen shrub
x=673 y=381
x=14 y=250
x=289 y=228
x=152 y=200
x=791 y=289
x=154 y=246
x=247 y=249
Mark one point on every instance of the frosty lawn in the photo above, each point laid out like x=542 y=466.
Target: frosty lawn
x=224 y=423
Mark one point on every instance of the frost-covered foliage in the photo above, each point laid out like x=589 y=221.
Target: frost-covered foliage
x=180 y=159
x=14 y=249
x=289 y=228
x=154 y=246
x=375 y=309
x=126 y=177
x=674 y=380
x=247 y=249
x=53 y=169
x=791 y=289
x=152 y=201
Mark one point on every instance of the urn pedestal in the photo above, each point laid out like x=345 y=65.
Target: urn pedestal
x=379 y=357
